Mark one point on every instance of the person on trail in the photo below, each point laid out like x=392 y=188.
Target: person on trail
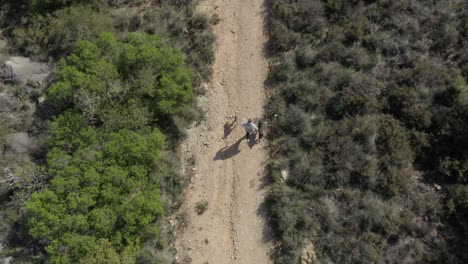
x=260 y=130
x=249 y=128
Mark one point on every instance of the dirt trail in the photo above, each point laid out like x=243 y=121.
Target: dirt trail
x=228 y=171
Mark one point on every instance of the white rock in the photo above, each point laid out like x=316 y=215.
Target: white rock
x=308 y=255
x=284 y=175
x=41 y=100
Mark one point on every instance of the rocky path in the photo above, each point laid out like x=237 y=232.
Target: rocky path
x=229 y=172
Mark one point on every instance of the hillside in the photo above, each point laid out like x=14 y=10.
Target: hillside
x=369 y=115
x=121 y=137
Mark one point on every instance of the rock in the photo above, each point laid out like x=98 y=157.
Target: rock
x=284 y=175
x=23 y=71
x=308 y=254
x=172 y=222
x=6 y=73
x=41 y=99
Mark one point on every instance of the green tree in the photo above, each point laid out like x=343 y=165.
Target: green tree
x=101 y=197
x=136 y=78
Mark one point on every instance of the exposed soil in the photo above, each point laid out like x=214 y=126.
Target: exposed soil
x=228 y=171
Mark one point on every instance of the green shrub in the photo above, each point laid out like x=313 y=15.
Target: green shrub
x=187 y=29
x=108 y=194
x=201 y=207
x=453 y=170
x=61 y=32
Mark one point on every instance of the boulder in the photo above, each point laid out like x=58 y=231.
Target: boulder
x=6 y=73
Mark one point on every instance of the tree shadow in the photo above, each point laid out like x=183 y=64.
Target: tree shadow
x=228 y=152
x=229 y=127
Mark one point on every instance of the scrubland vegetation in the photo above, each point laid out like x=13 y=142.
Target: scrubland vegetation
x=368 y=136
x=102 y=175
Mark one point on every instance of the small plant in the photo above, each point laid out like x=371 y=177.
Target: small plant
x=191 y=160
x=182 y=220
x=201 y=207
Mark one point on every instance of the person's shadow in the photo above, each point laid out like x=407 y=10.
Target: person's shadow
x=228 y=152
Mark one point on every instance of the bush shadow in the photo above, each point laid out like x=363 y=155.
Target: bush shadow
x=268 y=229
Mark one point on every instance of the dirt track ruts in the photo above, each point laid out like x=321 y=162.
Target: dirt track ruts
x=229 y=172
